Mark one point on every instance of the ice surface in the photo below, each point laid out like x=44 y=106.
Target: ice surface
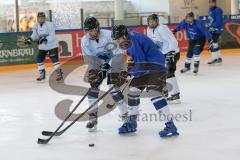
x=27 y=108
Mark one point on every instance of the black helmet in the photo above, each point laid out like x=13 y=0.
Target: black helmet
x=190 y=14
x=152 y=17
x=90 y=23
x=119 y=31
x=41 y=14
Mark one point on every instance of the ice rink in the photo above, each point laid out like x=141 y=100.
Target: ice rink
x=212 y=99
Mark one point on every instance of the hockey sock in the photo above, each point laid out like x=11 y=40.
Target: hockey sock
x=161 y=106
x=119 y=100
x=174 y=83
x=92 y=98
x=55 y=61
x=133 y=100
x=40 y=62
x=215 y=55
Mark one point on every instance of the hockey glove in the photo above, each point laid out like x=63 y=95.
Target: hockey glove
x=105 y=67
x=210 y=44
x=106 y=56
x=95 y=78
x=28 y=41
x=122 y=78
x=42 y=40
x=170 y=57
x=212 y=30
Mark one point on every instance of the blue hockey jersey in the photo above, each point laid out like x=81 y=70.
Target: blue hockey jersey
x=147 y=57
x=195 y=31
x=215 y=20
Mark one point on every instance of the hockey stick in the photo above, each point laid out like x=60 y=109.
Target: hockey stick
x=45 y=141
x=108 y=47
x=47 y=133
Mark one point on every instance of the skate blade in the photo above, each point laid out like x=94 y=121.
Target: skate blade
x=184 y=72
x=212 y=64
x=170 y=135
x=127 y=133
x=195 y=74
x=94 y=129
x=42 y=81
x=178 y=101
x=60 y=81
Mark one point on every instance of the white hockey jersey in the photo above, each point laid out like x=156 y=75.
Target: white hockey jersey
x=90 y=48
x=46 y=30
x=163 y=38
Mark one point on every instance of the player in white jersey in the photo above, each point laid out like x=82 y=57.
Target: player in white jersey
x=100 y=61
x=44 y=35
x=168 y=45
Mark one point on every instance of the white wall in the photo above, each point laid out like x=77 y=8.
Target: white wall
x=2 y=2
x=235 y=6
x=151 y=5
x=140 y=5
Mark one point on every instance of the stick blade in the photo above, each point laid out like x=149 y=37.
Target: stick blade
x=42 y=141
x=47 y=133
x=109 y=106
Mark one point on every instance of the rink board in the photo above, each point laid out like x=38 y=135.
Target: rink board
x=31 y=66
x=70 y=40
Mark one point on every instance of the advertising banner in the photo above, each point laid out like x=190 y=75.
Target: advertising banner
x=13 y=53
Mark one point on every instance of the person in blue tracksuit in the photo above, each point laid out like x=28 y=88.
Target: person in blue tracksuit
x=148 y=71
x=197 y=34
x=216 y=28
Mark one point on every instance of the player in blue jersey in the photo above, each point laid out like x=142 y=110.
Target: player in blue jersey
x=149 y=72
x=197 y=34
x=216 y=28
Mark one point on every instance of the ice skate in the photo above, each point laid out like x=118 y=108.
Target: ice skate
x=186 y=68
x=174 y=99
x=92 y=124
x=169 y=131
x=42 y=75
x=214 y=61
x=129 y=126
x=59 y=75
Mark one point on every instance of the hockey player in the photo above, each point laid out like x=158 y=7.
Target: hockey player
x=148 y=68
x=99 y=61
x=44 y=35
x=168 y=45
x=216 y=28
x=197 y=34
